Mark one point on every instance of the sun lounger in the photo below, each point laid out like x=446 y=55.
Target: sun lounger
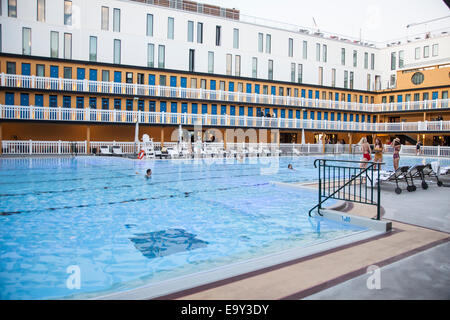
x=430 y=173
x=401 y=174
x=444 y=171
x=104 y=150
x=117 y=150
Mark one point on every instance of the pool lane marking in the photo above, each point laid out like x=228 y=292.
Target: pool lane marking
x=114 y=187
x=118 y=187
x=180 y=195
x=124 y=175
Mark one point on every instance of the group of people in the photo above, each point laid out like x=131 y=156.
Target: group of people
x=378 y=152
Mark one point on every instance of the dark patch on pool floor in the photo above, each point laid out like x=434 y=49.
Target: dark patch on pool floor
x=166 y=242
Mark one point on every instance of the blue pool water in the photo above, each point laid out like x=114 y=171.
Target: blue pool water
x=122 y=231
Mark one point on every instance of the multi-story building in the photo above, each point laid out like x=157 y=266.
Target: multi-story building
x=88 y=70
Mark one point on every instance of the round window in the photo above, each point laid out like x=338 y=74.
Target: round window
x=417 y=78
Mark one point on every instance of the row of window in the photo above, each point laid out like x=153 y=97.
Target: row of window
x=12 y=12
x=185 y=107
x=401 y=55
x=296 y=69
x=424 y=96
x=173 y=81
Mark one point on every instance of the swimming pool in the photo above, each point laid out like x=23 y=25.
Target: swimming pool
x=122 y=231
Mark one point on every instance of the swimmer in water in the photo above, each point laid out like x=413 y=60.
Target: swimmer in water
x=290 y=166
x=148 y=173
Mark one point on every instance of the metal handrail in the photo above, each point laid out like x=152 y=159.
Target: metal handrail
x=329 y=181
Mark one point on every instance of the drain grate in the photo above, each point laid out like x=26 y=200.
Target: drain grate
x=166 y=242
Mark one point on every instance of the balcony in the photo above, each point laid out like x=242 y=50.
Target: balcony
x=118 y=88
x=8 y=112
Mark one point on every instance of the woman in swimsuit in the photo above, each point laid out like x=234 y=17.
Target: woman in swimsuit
x=378 y=149
x=366 y=152
x=396 y=155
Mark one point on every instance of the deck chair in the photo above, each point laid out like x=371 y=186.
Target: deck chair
x=117 y=150
x=416 y=172
x=104 y=150
x=428 y=172
x=401 y=174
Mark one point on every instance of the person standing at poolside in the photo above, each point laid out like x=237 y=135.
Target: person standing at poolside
x=396 y=155
x=366 y=152
x=378 y=149
x=418 y=147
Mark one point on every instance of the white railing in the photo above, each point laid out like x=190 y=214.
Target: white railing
x=34 y=82
x=44 y=147
x=30 y=147
x=144 y=117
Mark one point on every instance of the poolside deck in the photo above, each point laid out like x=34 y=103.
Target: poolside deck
x=420 y=221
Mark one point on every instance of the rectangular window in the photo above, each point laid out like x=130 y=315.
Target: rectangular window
x=393 y=60
x=170 y=28
x=229 y=64
x=105 y=75
x=321 y=76
x=291 y=47
x=366 y=60
x=237 y=67
x=346 y=79
x=67 y=13
x=40 y=10
x=218 y=35
x=351 y=79
x=116 y=20
x=300 y=73
x=372 y=61
x=236 y=38
x=105 y=18
x=270 y=71
x=149 y=25
x=67 y=73
x=417 y=55
x=54 y=44
x=426 y=51
x=435 y=49
x=10 y=67
x=343 y=56
x=260 y=42
x=317 y=51
x=268 y=43
x=199 y=32
x=92 y=48
x=67 y=46
x=333 y=77
x=191 y=60
x=190 y=35
x=150 y=55
x=368 y=82
x=117 y=49
x=255 y=67
x=40 y=70
x=401 y=58
x=293 y=72
x=12 y=8
x=355 y=58
x=210 y=62
x=161 y=56
x=305 y=49
x=325 y=53
x=162 y=80
x=26 y=41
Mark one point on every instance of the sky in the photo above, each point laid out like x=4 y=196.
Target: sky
x=377 y=20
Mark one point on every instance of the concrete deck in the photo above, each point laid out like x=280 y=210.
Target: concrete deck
x=420 y=222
